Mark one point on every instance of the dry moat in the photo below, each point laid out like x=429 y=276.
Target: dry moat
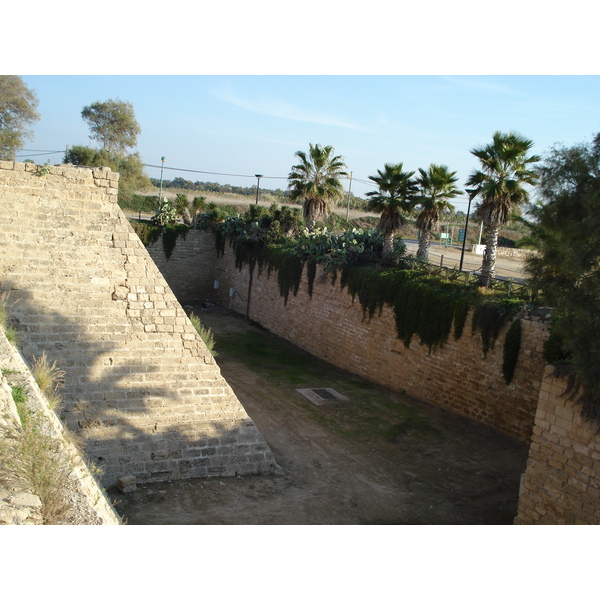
x=372 y=457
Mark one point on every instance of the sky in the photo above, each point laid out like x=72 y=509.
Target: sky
x=225 y=91
x=231 y=125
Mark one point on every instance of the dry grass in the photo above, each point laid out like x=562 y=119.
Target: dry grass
x=9 y=331
x=49 y=379
x=32 y=456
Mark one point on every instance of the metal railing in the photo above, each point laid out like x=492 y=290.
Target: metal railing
x=473 y=277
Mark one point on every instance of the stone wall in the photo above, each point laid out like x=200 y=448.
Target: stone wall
x=87 y=502
x=561 y=484
x=141 y=388
x=189 y=269
x=331 y=326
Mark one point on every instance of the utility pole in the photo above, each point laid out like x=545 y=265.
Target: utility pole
x=349 y=188
x=161 y=180
x=257 y=186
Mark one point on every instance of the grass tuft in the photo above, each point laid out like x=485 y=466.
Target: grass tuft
x=9 y=331
x=49 y=379
x=205 y=333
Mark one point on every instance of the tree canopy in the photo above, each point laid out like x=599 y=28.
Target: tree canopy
x=395 y=197
x=437 y=186
x=316 y=181
x=18 y=110
x=566 y=269
x=113 y=124
x=505 y=168
x=130 y=167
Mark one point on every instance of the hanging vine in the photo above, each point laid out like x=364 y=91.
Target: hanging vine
x=425 y=305
x=512 y=346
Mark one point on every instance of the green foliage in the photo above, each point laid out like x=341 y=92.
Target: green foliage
x=10 y=332
x=150 y=233
x=170 y=234
x=130 y=168
x=565 y=270
x=113 y=124
x=489 y=316
x=165 y=214
x=393 y=200
x=19 y=396
x=138 y=203
x=500 y=183
x=512 y=346
x=204 y=332
x=425 y=305
x=18 y=110
x=315 y=180
x=39 y=459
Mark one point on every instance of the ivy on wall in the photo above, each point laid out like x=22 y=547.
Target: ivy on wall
x=150 y=234
x=425 y=306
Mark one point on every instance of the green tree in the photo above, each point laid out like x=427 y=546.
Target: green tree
x=113 y=124
x=198 y=204
x=505 y=169
x=130 y=167
x=437 y=186
x=182 y=208
x=315 y=180
x=395 y=198
x=18 y=106
x=566 y=268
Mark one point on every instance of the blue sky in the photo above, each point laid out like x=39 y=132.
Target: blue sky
x=243 y=125
x=237 y=88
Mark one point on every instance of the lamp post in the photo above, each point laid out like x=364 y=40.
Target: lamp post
x=462 y=253
x=257 y=186
x=162 y=166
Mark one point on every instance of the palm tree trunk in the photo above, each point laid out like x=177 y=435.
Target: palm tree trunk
x=423 y=251
x=388 y=244
x=488 y=266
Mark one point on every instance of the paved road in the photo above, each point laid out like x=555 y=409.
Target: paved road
x=506 y=267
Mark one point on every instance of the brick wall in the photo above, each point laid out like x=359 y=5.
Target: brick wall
x=141 y=387
x=189 y=269
x=331 y=326
x=561 y=484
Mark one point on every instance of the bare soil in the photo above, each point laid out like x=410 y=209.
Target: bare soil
x=379 y=457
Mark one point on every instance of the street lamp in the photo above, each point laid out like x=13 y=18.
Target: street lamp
x=472 y=194
x=257 y=186
x=161 y=180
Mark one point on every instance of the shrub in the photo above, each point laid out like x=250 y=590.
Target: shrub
x=205 y=333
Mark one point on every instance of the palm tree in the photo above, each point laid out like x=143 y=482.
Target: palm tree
x=316 y=181
x=198 y=204
x=437 y=187
x=182 y=208
x=395 y=197
x=499 y=185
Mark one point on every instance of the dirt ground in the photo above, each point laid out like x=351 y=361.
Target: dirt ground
x=378 y=457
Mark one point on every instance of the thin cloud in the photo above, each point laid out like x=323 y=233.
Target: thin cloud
x=475 y=83
x=284 y=110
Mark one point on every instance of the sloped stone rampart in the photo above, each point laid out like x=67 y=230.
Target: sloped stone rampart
x=88 y=504
x=561 y=484
x=141 y=388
